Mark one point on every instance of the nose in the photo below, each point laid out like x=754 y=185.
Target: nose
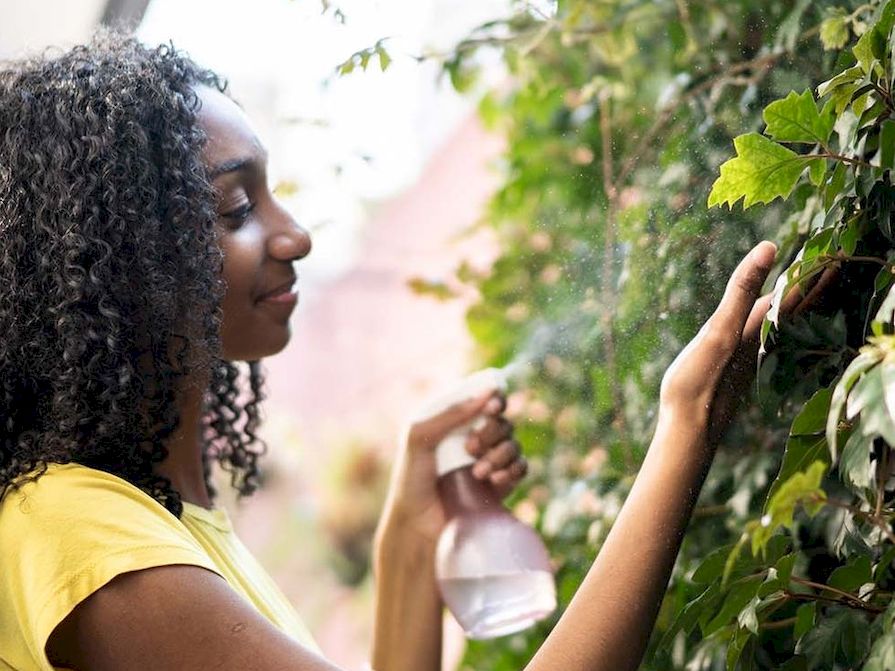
x=288 y=241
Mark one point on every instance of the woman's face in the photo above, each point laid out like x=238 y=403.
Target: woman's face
x=260 y=240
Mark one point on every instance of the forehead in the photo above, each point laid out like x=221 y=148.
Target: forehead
x=230 y=132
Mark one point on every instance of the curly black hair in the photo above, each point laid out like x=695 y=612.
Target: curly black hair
x=110 y=270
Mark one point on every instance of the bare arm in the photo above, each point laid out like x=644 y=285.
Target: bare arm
x=608 y=623
x=174 y=618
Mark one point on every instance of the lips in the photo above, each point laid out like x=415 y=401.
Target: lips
x=279 y=289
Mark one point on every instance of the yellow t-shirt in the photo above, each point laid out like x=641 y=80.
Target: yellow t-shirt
x=68 y=534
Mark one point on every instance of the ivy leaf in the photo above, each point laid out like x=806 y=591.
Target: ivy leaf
x=741 y=637
x=807 y=442
x=887 y=144
x=854 y=465
x=689 y=617
x=796 y=118
x=882 y=654
x=839 y=635
x=711 y=567
x=739 y=595
x=801 y=488
x=851 y=576
x=804 y=619
x=856 y=368
x=812 y=419
x=762 y=171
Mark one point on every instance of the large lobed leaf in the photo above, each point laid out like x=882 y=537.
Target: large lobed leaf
x=796 y=118
x=762 y=171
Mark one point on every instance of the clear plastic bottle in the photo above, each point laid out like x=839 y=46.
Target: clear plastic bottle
x=493 y=571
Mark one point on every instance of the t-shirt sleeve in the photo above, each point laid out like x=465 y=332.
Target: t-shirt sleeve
x=69 y=533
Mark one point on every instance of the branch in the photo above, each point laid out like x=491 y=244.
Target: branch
x=609 y=253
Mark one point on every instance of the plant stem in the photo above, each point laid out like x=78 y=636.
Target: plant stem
x=608 y=279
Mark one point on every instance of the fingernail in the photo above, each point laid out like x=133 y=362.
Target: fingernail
x=481 y=469
x=764 y=253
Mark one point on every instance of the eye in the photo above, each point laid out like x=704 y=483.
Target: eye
x=240 y=214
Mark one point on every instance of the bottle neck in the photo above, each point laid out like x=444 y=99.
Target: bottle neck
x=462 y=493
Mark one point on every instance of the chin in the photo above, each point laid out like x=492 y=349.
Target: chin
x=268 y=344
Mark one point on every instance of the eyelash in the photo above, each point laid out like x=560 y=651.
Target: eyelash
x=240 y=214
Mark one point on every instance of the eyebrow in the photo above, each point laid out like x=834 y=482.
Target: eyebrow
x=231 y=165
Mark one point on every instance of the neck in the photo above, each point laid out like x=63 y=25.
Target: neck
x=183 y=465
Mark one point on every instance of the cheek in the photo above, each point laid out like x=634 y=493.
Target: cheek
x=242 y=257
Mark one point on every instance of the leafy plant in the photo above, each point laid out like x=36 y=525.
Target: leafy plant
x=618 y=118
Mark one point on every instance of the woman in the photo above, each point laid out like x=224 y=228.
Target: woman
x=143 y=256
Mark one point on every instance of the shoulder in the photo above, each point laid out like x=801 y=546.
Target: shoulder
x=72 y=497
x=66 y=535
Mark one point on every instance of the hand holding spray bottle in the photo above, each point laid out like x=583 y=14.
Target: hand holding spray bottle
x=493 y=571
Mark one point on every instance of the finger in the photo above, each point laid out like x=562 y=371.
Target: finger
x=494 y=430
x=752 y=329
x=742 y=291
x=504 y=481
x=496 y=458
x=496 y=404
x=429 y=432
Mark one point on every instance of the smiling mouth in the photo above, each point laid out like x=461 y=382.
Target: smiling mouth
x=284 y=293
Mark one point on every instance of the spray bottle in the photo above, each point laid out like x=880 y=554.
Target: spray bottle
x=493 y=571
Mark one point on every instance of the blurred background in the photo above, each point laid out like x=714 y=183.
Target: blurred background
x=390 y=171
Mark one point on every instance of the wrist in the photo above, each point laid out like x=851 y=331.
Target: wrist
x=395 y=542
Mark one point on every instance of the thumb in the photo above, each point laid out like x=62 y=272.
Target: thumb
x=743 y=290
x=427 y=433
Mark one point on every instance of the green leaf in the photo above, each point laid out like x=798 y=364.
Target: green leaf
x=834 y=33
x=835 y=185
x=347 y=67
x=845 y=78
x=801 y=488
x=748 y=618
x=804 y=619
x=856 y=368
x=689 y=616
x=848 y=239
x=887 y=144
x=870 y=50
x=867 y=393
x=882 y=567
x=854 y=464
x=817 y=170
x=882 y=654
x=796 y=118
x=851 y=576
x=738 y=642
x=834 y=636
x=812 y=418
x=739 y=595
x=384 y=59
x=807 y=442
x=711 y=567
x=762 y=171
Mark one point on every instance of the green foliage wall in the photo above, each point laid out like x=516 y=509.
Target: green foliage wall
x=620 y=115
